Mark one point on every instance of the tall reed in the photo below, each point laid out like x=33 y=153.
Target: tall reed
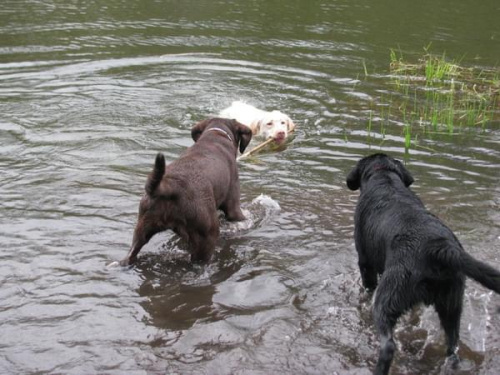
x=437 y=94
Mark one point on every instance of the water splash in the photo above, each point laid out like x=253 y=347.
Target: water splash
x=477 y=304
x=259 y=211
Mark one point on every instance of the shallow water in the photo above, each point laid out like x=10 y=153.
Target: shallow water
x=90 y=92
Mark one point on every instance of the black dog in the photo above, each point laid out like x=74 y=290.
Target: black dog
x=185 y=195
x=419 y=259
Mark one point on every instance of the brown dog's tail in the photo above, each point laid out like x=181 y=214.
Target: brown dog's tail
x=156 y=175
x=481 y=272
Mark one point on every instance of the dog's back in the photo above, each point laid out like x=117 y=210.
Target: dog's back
x=242 y=112
x=185 y=195
x=394 y=228
x=385 y=210
x=204 y=172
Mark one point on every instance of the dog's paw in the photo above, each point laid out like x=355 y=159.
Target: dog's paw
x=451 y=363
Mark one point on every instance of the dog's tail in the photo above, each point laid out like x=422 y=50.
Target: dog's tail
x=156 y=175
x=481 y=272
x=451 y=254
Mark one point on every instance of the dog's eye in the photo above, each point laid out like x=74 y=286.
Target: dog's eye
x=269 y=124
x=282 y=122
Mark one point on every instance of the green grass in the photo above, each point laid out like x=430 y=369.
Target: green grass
x=438 y=94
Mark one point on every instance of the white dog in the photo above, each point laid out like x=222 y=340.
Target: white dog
x=274 y=124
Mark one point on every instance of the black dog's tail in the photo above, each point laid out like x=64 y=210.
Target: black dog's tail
x=481 y=272
x=451 y=254
x=156 y=175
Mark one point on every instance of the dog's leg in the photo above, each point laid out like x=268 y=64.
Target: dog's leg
x=385 y=322
x=232 y=206
x=234 y=214
x=202 y=242
x=142 y=235
x=448 y=305
x=386 y=354
x=393 y=297
x=368 y=273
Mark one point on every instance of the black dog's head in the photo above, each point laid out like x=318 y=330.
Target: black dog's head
x=369 y=165
x=239 y=133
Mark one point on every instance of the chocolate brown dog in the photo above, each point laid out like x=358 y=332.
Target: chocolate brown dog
x=418 y=258
x=185 y=195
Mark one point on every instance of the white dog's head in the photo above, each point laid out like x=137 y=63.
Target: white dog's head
x=275 y=125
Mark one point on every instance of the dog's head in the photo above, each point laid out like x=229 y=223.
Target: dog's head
x=368 y=166
x=240 y=134
x=275 y=125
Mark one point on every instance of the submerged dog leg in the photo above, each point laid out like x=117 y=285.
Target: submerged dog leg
x=202 y=242
x=368 y=273
x=449 y=309
x=232 y=206
x=386 y=354
x=385 y=322
x=143 y=232
x=233 y=211
x=393 y=297
x=132 y=254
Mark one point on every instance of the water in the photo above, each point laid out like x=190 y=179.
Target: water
x=89 y=92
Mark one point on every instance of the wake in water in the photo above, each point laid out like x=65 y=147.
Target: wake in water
x=259 y=211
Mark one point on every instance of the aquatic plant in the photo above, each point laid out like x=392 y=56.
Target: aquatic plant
x=447 y=95
x=436 y=94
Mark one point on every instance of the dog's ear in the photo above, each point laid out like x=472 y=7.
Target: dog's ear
x=256 y=126
x=198 y=129
x=290 y=125
x=244 y=134
x=353 y=179
x=404 y=173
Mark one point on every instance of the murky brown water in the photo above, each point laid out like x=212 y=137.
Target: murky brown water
x=90 y=91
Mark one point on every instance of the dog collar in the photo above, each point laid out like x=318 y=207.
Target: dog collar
x=221 y=131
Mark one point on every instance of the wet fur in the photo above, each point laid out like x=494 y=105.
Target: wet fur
x=185 y=195
x=268 y=124
x=416 y=256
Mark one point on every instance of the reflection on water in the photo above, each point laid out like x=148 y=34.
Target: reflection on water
x=90 y=92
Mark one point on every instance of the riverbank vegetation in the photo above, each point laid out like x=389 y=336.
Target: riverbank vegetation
x=435 y=94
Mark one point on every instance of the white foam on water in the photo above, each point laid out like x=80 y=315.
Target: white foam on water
x=114 y=264
x=477 y=305
x=475 y=320
x=260 y=210
x=267 y=202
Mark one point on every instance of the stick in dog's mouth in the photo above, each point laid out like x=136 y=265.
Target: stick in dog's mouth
x=279 y=140
x=264 y=144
